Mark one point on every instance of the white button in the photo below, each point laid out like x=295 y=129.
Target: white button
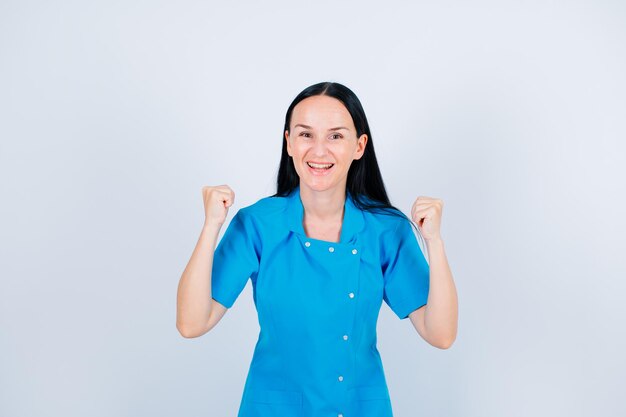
x=331 y=249
x=340 y=378
x=351 y=295
x=307 y=244
x=345 y=337
x=354 y=251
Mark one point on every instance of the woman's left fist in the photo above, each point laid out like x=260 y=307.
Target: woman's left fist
x=426 y=213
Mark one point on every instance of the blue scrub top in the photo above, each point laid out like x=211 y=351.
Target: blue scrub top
x=318 y=303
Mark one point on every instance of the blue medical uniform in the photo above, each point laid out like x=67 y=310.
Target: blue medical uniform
x=318 y=303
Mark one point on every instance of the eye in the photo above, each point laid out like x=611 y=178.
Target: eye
x=304 y=134
x=338 y=136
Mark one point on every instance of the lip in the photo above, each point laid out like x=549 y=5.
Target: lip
x=319 y=162
x=319 y=171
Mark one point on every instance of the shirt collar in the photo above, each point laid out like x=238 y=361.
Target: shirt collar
x=353 y=221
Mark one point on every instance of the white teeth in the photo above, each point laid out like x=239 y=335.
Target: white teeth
x=319 y=166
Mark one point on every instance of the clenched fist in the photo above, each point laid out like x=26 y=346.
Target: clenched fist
x=426 y=213
x=217 y=200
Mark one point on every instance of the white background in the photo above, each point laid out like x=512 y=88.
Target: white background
x=114 y=114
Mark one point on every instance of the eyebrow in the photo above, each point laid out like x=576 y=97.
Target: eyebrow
x=309 y=127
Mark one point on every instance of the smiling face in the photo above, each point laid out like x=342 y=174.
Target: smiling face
x=323 y=143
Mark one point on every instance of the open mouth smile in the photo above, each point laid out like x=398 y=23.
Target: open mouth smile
x=320 y=169
x=319 y=166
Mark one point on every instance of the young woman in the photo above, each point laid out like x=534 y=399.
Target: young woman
x=322 y=254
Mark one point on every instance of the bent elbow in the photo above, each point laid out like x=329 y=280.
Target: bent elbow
x=446 y=343
x=189 y=332
x=443 y=342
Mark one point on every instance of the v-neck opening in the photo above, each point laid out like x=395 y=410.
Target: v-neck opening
x=351 y=224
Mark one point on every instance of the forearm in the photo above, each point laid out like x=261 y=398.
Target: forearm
x=441 y=312
x=194 y=289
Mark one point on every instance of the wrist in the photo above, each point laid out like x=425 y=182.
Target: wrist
x=211 y=228
x=434 y=241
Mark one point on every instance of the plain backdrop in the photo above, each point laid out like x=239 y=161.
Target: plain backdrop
x=114 y=114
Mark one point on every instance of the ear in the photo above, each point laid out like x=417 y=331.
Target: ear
x=360 y=146
x=288 y=144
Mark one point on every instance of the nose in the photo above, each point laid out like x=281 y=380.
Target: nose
x=319 y=147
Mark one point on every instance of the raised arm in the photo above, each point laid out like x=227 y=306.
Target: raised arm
x=437 y=321
x=196 y=311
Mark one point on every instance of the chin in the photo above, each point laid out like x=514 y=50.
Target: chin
x=318 y=185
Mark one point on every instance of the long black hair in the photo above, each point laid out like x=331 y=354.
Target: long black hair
x=364 y=183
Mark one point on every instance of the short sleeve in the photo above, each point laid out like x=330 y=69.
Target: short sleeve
x=405 y=270
x=235 y=260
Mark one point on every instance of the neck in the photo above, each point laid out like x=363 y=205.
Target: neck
x=323 y=205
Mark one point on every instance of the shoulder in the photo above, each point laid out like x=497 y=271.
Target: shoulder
x=258 y=220
x=266 y=206
x=384 y=220
x=264 y=212
x=388 y=225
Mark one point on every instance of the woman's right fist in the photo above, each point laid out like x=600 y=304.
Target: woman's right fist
x=217 y=200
